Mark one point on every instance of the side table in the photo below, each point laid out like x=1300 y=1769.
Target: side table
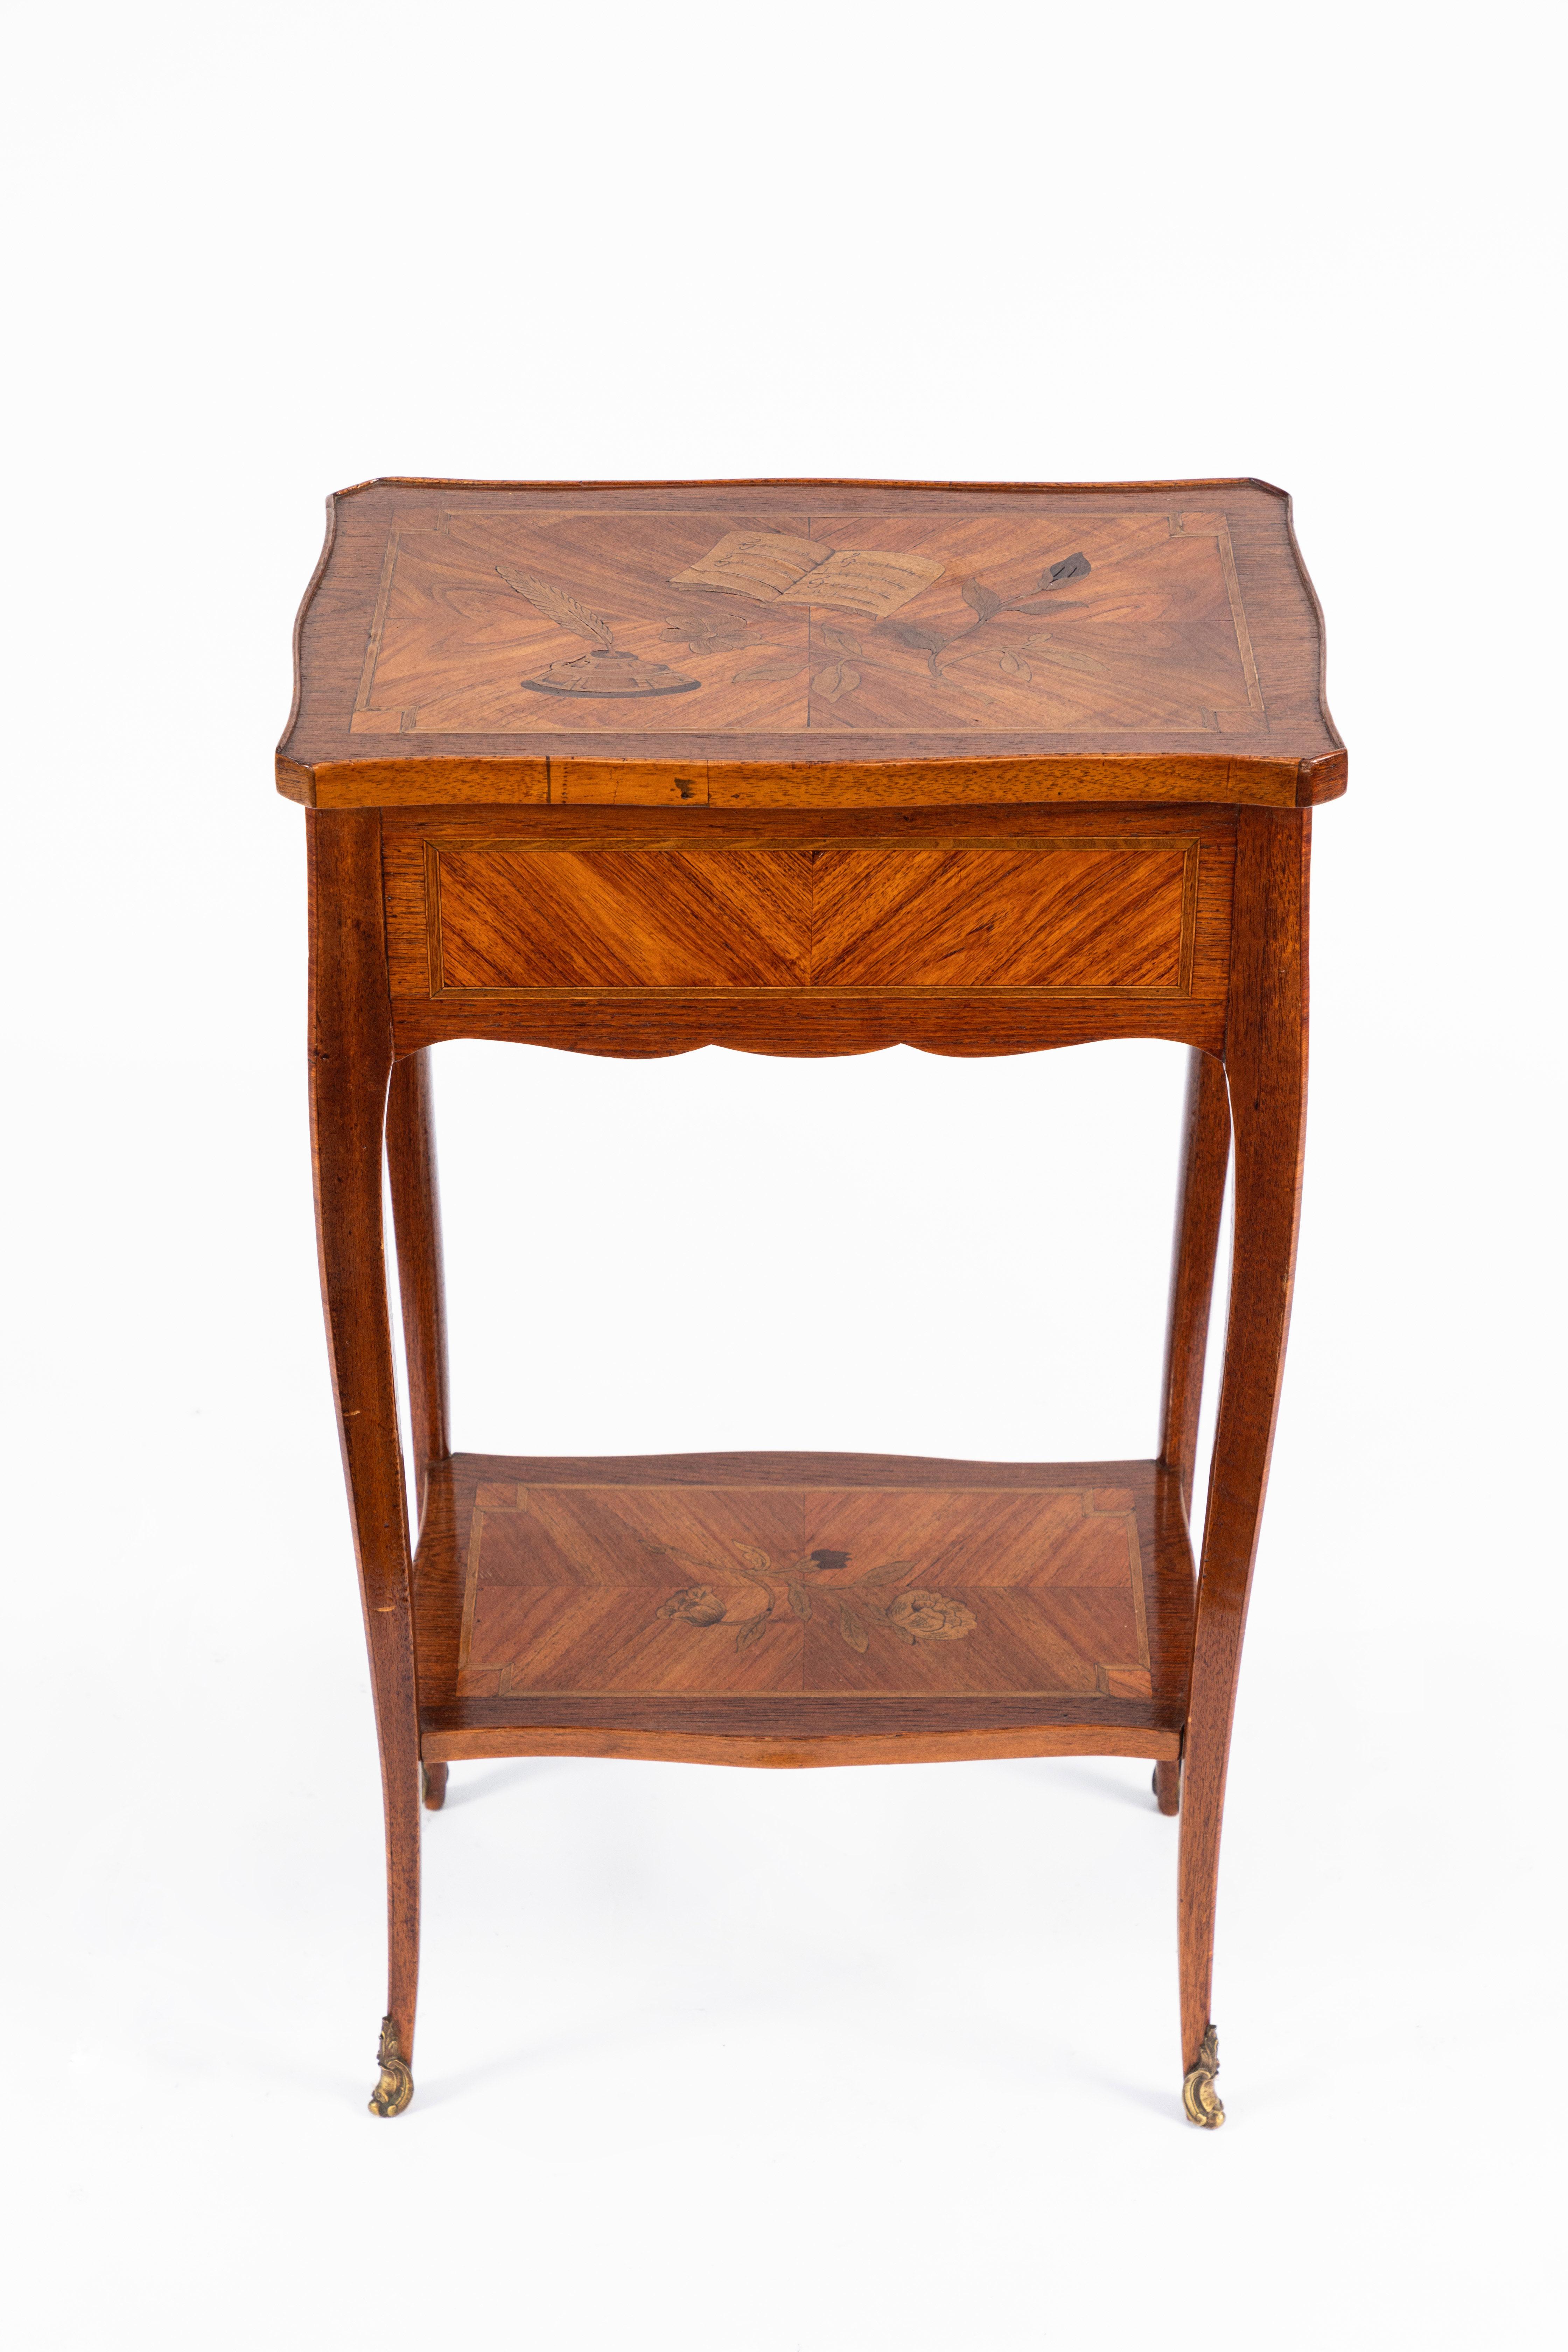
x=807 y=768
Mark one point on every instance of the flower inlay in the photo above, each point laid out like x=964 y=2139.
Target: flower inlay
x=904 y=1591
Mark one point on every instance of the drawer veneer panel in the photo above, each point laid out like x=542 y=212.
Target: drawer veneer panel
x=1093 y=917
x=620 y=919
x=1109 y=922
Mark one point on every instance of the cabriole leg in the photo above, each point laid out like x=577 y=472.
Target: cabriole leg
x=1205 y=1155
x=351 y=1063
x=416 y=1226
x=1266 y=1064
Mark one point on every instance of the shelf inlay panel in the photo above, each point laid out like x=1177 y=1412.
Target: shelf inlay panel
x=816 y=1591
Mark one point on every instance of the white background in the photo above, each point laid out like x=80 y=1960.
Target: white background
x=728 y=2061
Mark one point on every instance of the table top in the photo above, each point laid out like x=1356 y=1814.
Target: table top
x=808 y=643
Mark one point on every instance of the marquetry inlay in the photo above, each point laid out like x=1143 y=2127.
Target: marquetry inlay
x=1071 y=914
x=806 y=769
x=814 y=1591
x=516 y=621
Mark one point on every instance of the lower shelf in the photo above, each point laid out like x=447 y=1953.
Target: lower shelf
x=801 y=1608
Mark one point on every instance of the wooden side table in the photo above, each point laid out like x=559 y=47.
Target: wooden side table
x=807 y=768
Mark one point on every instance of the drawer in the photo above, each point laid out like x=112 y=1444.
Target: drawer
x=1076 y=914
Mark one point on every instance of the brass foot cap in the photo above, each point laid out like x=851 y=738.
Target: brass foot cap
x=1199 y=2097
x=395 y=2088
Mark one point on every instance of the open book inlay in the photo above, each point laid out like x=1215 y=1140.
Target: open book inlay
x=1014 y=625
x=776 y=569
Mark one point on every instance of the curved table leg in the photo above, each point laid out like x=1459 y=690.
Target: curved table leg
x=433 y=1786
x=351 y=1063
x=1206 y=1156
x=1266 y=1066
x=416 y=1224
x=1167 y=1785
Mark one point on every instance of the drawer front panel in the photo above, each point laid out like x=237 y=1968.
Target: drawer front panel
x=1076 y=916
x=1102 y=918
x=619 y=919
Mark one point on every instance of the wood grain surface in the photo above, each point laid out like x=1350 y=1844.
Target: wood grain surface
x=1084 y=915
x=1200 y=1199
x=416 y=1224
x=482 y=642
x=351 y=1065
x=964 y=931
x=770 y=1596
x=619 y=919
x=783 y=1754
x=823 y=1591
x=1265 y=1068
x=807 y=768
